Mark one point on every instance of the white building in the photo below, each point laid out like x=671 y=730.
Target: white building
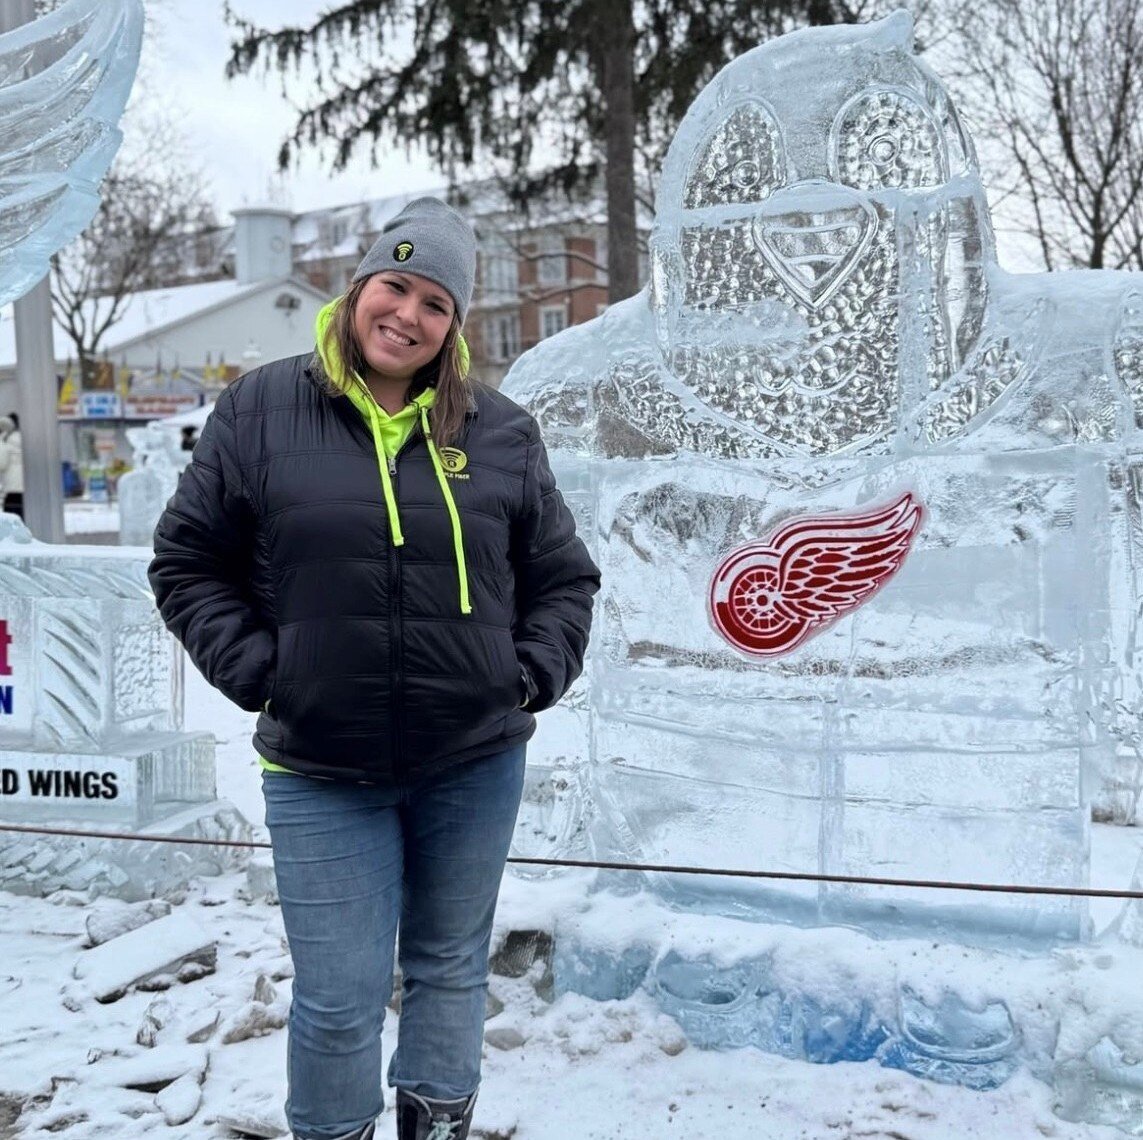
x=174 y=349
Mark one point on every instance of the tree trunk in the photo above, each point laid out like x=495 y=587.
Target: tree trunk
x=615 y=32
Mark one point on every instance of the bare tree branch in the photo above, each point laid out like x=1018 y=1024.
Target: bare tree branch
x=1059 y=83
x=151 y=205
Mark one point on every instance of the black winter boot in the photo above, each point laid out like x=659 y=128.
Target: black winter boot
x=421 y=1119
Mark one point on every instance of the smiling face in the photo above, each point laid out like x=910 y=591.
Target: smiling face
x=401 y=322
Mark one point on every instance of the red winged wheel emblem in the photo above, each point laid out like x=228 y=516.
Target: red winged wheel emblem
x=768 y=597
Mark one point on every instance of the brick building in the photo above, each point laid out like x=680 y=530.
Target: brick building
x=536 y=274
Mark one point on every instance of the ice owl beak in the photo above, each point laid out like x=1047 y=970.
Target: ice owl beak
x=814 y=235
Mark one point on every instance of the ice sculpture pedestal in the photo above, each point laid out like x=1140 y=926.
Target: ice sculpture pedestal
x=971 y=1016
x=91 y=736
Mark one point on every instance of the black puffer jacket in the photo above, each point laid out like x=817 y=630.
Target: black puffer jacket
x=274 y=566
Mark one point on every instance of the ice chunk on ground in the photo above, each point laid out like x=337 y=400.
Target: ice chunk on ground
x=161 y=947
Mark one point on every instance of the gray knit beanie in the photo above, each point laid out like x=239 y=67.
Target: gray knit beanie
x=431 y=239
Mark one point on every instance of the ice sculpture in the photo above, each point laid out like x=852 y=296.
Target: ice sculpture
x=64 y=80
x=143 y=492
x=868 y=514
x=91 y=719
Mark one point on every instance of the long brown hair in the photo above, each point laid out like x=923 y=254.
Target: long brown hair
x=446 y=371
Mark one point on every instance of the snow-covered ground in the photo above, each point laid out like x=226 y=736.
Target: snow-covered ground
x=569 y=1069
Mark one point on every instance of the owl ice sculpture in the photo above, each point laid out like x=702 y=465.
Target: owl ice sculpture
x=867 y=510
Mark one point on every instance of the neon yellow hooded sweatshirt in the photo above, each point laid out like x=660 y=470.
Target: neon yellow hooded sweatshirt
x=390 y=434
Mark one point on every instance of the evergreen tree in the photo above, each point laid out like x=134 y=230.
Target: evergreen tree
x=600 y=84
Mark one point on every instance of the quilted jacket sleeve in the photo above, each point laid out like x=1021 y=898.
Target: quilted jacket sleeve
x=202 y=566
x=555 y=583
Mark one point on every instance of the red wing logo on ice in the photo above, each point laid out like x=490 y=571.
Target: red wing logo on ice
x=768 y=597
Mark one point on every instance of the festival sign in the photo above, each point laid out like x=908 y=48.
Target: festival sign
x=159 y=405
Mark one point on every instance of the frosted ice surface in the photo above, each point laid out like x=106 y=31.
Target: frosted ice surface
x=64 y=80
x=89 y=660
x=826 y=344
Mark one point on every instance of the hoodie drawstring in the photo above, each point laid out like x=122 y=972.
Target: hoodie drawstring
x=453 y=514
x=386 y=481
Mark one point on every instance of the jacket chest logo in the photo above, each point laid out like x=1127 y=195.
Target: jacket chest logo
x=454 y=461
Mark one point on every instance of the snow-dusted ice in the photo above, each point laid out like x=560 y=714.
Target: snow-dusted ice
x=64 y=80
x=868 y=514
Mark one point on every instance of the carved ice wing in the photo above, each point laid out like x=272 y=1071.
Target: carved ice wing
x=1126 y=350
x=71 y=671
x=829 y=565
x=999 y=363
x=64 y=80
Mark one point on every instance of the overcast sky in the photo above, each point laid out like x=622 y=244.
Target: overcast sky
x=233 y=128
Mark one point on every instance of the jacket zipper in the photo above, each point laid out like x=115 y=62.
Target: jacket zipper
x=396 y=641
x=396 y=631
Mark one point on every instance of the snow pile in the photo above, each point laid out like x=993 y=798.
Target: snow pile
x=204 y=1057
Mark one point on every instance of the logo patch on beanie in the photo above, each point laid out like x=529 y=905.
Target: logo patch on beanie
x=403 y=250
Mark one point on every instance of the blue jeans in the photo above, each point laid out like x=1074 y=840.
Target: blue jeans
x=351 y=860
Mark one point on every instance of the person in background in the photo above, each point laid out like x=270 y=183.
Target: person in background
x=11 y=465
x=369 y=548
x=189 y=437
x=6 y=429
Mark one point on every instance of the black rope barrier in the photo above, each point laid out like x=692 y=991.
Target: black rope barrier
x=658 y=868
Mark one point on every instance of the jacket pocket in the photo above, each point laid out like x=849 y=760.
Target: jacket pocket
x=270 y=704
x=509 y=691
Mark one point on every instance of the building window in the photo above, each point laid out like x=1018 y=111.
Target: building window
x=553 y=319
x=498 y=273
x=552 y=264
x=502 y=337
x=332 y=231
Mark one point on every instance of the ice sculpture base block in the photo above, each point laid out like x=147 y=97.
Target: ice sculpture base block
x=140 y=780
x=954 y=1014
x=127 y=869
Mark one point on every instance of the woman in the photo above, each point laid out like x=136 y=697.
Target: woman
x=371 y=550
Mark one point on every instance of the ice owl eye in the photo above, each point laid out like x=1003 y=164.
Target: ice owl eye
x=883 y=150
x=740 y=160
x=887 y=140
x=745 y=173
